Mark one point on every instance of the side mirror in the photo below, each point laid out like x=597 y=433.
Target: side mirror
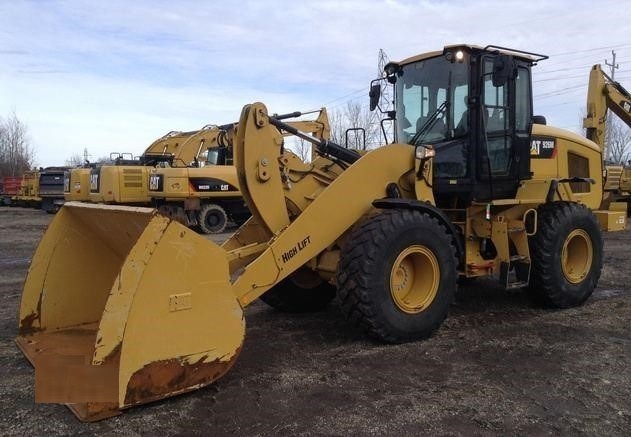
x=538 y=119
x=504 y=68
x=375 y=95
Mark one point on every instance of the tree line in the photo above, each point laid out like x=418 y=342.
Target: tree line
x=618 y=141
x=16 y=153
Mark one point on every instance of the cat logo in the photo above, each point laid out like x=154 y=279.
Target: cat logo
x=542 y=147
x=154 y=182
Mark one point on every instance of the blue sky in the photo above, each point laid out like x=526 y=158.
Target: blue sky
x=112 y=76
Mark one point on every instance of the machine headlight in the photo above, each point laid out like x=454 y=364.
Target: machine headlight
x=454 y=56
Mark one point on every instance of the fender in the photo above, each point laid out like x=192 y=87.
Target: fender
x=432 y=211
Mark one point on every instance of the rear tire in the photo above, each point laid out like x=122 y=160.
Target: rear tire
x=212 y=219
x=302 y=292
x=398 y=278
x=567 y=253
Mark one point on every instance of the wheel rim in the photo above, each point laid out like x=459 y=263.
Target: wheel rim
x=214 y=220
x=576 y=257
x=414 y=279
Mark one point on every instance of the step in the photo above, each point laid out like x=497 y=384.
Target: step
x=517 y=284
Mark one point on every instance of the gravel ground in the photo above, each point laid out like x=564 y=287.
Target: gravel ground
x=498 y=365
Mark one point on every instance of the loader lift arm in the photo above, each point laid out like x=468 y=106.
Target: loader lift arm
x=300 y=232
x=324 y=147
x=207 y=195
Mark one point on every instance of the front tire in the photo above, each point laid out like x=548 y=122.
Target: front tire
x=212 y=219
x=567 y=253
x=398 y=278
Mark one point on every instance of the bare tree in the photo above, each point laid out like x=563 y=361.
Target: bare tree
x=355 y=126
x=16 y=152
x=352 y=126
x=104 y=160
x=302 y=148
x=618 y=139
x=75 y=160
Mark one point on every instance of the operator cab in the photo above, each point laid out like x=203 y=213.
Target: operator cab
x=219 y=156
x=473 y=106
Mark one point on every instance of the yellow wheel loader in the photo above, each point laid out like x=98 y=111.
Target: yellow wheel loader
x=123 y=306
x=207 y=196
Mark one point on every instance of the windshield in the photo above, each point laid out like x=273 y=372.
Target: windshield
x=213 y=157
x=431 y=100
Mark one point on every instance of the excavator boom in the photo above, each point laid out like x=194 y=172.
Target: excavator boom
x=604 y=94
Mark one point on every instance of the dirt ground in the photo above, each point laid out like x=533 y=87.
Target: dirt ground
x=498 y=365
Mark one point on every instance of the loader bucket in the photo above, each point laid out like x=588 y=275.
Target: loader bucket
x=122 y=306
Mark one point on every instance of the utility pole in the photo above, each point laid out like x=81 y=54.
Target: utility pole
x=613 y=67
x=386 y=94
x=386 y=102
x=613 y=64
x=86 y=156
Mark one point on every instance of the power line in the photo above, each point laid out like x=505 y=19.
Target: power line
x=560 y=91
x=362 y=93
x=344 y=96
x=573 y=52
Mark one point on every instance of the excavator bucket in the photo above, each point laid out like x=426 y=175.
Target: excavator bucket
x=122 y=306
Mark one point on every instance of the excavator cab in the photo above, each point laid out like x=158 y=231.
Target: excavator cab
x=219 y=156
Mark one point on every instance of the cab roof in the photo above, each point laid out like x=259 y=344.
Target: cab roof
x=526 y=56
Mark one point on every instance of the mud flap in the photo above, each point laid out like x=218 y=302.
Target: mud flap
x=122 y=306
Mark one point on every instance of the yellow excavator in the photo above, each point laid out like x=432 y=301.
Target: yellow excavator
x=116 y=182
x=124 y=181
x=77 y=183
x=202 y=194
x=124 y=306
x=208 y=195
x=604 y=94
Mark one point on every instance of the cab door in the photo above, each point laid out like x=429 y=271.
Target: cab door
x=503 y=128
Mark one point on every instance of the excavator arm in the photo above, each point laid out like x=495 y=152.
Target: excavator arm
x=604 y=94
